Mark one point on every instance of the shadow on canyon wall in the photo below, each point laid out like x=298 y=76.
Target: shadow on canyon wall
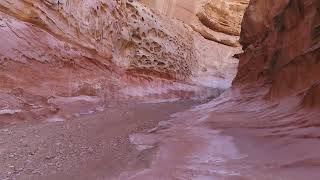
x=80 y=62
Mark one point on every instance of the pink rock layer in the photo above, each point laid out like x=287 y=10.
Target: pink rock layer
x=113 y=51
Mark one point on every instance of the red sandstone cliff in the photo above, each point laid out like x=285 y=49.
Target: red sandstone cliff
x=66 y=59
x=53 y=51
x=281 y=44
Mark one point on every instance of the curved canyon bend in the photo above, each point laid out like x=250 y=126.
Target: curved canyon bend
x=160 y=89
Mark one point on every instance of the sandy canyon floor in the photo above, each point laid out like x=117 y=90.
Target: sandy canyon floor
x=94 y=146
x=167 y=140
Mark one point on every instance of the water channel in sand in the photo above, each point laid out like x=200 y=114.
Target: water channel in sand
x=186 y=149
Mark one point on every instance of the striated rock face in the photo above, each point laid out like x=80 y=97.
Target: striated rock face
x=124 y=32
x=311 y=98
x=215 y=20
x=281 y=43
x=62 y=59
x=222 y=20
x=89 y=52
x=223 y=16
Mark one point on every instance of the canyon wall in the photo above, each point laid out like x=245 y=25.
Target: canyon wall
x=54 y=53
x=282 y=48
x=215 y=20
x=123 y=34
x=68 y=48
x=126 y=33
x=66 y=59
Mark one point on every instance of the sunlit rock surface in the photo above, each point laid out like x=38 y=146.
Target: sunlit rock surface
x=216 y=20
x=125 y=33
x=110 y=50
x=70 y=60
x=223 y=16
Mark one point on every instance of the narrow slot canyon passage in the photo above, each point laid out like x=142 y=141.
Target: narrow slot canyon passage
x=159 y=89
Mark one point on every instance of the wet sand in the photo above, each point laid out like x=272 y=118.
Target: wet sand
x=187 y=149
x=224 y=140
x=186 y=140
x=271 y=158
x=94 y=146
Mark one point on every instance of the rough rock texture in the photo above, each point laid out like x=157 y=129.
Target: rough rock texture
x=279 y=70
x=272 y=110
x=123 y=31
x=59 y=58
x=281 y=43
x=224 y=15
x=87 y=53
x=215 y=20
